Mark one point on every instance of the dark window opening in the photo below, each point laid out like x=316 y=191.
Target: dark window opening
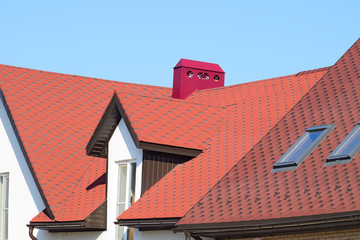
x=189 y=74
x=204 y=76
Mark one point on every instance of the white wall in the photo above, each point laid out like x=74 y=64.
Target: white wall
x=77 y=236
x=157 y=235
x=138 y=235
x=24 y=198
x=121 y=148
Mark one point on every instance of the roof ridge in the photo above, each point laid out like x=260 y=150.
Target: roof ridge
x=177 y=100
x=81 y=76
x=267 y=79
x=313 y=71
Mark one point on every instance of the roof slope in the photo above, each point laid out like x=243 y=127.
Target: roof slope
x=172 y=121
x=55 y=115
x=253 y=109
x=250 y=191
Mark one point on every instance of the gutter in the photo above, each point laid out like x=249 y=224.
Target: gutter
x=149 y=224
x=59 y=226
x=96 y=221
x=272 y=227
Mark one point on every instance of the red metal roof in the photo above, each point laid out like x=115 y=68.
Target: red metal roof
x=252 y=110
x=199 y=65
x=250 y=191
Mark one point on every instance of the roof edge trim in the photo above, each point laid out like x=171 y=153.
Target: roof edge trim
x=213 y=67
x=192 y=152
x=27 y=159
x=149 y=223
x=56 y=226
x=278 y=226
x=95 y=221
x=106 y=127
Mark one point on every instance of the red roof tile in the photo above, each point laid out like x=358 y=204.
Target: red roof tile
x=172 y=121
x=250 y=191
x=55 y=115
x=253 y=109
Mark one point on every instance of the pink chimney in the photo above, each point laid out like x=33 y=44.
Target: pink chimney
x=190 y=75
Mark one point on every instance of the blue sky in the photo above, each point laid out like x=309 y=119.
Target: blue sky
x=141 y=41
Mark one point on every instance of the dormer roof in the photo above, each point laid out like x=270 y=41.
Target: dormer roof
x=174 y=125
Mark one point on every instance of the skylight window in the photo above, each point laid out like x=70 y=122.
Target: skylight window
x=348 y=148
x=303 y=147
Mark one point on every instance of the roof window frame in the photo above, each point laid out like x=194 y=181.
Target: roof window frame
x=335 y=157
x=284 y=163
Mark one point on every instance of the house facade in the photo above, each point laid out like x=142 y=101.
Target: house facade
x=86 y=158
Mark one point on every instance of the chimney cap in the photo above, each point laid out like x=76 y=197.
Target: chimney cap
x=199 y=65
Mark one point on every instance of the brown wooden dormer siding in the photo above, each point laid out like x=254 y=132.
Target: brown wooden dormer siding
x=157 y=164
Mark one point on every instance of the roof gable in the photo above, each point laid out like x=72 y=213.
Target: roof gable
x=173 y=125
x=55 y=115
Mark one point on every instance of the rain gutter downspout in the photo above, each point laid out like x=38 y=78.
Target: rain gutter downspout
x=31 y=230
x=188 y=236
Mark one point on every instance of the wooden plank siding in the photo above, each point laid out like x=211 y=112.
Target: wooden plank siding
x=156 y=165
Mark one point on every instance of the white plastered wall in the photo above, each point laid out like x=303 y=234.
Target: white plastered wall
x=24 y=198
x=156 y=235
x=122 y=148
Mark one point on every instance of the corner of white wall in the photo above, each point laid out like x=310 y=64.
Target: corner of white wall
x=121 y=148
